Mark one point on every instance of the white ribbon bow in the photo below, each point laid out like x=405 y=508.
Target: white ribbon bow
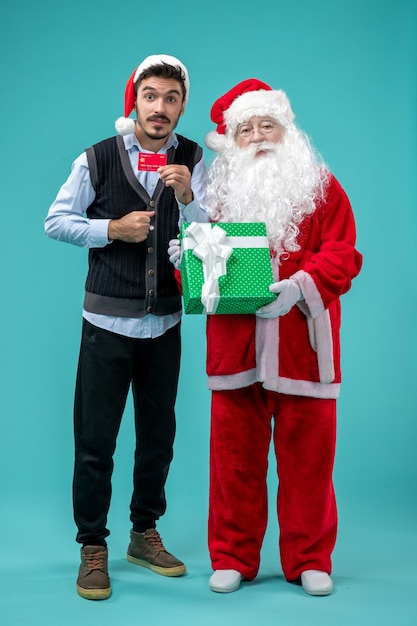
x=211 y=247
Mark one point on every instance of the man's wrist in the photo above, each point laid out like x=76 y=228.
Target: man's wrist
x=187 y=198
x=111 y=230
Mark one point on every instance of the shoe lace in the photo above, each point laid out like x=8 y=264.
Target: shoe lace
x=155 y=540
x=96 y=560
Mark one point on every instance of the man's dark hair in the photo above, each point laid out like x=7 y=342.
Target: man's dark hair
x=163 y=70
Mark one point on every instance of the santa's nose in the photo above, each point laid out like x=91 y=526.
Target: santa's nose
x=256 y=136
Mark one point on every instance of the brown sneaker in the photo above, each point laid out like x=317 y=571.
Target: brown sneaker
x=148 y=550
x=93 y=582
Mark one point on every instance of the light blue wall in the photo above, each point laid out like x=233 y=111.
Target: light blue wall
x=349 y=69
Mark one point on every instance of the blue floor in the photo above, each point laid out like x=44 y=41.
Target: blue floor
x=374 y=575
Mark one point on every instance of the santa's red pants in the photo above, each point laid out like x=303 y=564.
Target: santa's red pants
x=304 y=435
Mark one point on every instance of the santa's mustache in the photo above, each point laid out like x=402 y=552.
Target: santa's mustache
x=252 y=150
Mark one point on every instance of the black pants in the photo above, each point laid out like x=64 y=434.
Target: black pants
x=108 y=365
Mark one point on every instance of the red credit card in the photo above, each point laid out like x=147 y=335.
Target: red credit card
x=151 y=162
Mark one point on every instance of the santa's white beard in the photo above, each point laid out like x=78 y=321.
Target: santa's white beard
x=279 y=187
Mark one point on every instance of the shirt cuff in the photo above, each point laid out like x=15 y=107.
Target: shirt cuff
x=98 y=235
x=191 y=212
x=188 y=210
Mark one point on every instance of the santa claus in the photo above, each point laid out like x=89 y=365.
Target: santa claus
x=277 y=373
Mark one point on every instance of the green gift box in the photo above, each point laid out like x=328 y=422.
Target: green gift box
x=225 y=267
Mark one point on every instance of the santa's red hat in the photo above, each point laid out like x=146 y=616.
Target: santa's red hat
x=246 y=99
x=126 y=125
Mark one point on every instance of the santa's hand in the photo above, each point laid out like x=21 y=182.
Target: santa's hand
x=174 y=252
x=289 y=293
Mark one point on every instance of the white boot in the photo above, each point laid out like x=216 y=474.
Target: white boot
x=316 y=583
x=225 y=580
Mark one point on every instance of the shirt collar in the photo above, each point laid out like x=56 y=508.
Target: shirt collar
x=131 y=140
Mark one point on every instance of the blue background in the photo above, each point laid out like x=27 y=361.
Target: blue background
x=349 y=69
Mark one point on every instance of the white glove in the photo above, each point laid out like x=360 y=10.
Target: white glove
x=288 y=294
x=174 y=252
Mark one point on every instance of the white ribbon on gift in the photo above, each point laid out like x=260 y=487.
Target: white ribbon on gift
x=201 y=234
x=210 y=245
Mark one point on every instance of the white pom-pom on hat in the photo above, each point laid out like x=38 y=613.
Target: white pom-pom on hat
x=126 y=125
x=246 y=99
x=215 y=141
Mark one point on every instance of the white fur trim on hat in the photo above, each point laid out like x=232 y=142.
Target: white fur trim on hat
x=272 y=103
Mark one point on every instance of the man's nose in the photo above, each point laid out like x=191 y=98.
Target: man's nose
x=160 y=105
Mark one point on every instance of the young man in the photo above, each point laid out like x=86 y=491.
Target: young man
x=124 y=200
x=284 y=362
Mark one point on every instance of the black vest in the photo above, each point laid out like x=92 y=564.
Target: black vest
x=132 y=279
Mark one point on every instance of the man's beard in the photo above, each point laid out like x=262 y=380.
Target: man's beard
x=157 y=134
x=279 y=187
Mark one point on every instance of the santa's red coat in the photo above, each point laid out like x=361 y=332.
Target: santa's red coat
x=298 y=353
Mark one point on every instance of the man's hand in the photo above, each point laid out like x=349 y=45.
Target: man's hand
x=132 y=228
x=289 y=293
x=179 y=178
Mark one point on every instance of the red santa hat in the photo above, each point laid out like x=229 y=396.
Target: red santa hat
x=126 y=125
x=246 y=99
